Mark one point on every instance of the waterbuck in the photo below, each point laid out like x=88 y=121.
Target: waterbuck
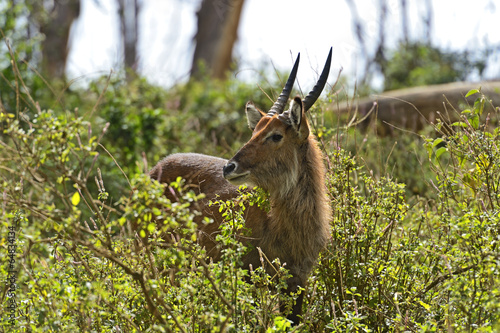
x=283 y=158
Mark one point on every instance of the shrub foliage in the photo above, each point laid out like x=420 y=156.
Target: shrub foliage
x=93 y=245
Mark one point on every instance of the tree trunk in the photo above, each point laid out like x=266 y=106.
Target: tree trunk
x=56 y=30
x=413 y=108
x=218 y=22
x=128 y=11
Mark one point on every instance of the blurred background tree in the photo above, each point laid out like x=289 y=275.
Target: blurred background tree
x=40 y=31
x=54 y=22
x=417 y=64
x=395 y=48
x=217 y=27
x=401 y=57
x=415 y=61
x=50 y=22
x=128 y=12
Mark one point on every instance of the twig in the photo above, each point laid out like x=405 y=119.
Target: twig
x=114 y=160
x=101 y=94
x=444 y=277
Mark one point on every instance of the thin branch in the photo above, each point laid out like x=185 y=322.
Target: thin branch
x=114 y=160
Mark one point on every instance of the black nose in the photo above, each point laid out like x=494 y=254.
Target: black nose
x=228 y=168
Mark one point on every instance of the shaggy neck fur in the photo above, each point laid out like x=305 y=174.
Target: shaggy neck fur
x=301 y=216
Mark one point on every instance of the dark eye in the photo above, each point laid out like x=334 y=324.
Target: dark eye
x=276 y=137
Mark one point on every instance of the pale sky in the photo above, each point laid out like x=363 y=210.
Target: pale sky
x=271 y=31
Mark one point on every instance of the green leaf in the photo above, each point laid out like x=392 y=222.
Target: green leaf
x=75 y=199
x=436 y=142
x=440 y=152
x=474 y=121
x=472 y=92
x=425 y=305
x=459 y=123
x=122 y=220
x=479 y=106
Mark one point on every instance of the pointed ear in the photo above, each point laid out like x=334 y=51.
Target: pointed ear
x=253 y=115
x=297 y=117
x=296 y=113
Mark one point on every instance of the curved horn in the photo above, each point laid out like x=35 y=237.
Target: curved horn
x=279 y=105
x=318 y=88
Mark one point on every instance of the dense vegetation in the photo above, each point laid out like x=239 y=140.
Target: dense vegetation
x=414 y=64
x=414 y=232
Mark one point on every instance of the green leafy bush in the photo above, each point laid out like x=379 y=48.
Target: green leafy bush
x=96 y=246
x=416 y=64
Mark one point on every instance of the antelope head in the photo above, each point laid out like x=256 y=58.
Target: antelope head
x=274 y=155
